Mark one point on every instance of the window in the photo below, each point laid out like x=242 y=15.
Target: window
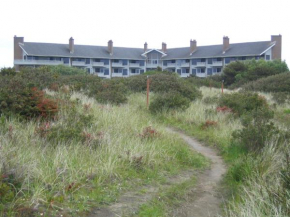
x=133 y=71
x=200 y=70
x=115 y=70
x=267 y=57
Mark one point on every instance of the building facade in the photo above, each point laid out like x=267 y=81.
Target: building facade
x=109 y=61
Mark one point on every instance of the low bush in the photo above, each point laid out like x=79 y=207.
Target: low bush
x=168 y=101
x=109 y=91
x=281 y=97
x=7 y=72
x=17 y=99
x=212 y=81
x=242 y=102
x=257 y=129
x=238 y=73
x=275 y=83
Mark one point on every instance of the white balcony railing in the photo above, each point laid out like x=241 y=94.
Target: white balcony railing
x=38 y=62
x=78 y=63
x=185 y=64
x=201 y=63
x=217 y=63
x=171 y=65
x=98 y=63
x=117 y=74
x=117 y=64
x=134 y=64
x=201 y=75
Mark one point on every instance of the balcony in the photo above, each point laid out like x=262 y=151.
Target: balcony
x=134 y=64
x=38 y=62
x=217 y=63
x=201 y=75
x=117 y=64
x=78 y=63
x=117 y=74
x=201 y=64
x=98 y=63
x=171 y=65
x=185 y=64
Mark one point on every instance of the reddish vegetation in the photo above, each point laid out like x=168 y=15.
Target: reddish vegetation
x=148 y=132
x=224 y=109
x=208 y=124
x=46 y=107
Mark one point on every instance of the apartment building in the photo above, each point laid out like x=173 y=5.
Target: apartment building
x=109 y=61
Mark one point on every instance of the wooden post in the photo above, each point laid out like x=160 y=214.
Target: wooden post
x=148 y=90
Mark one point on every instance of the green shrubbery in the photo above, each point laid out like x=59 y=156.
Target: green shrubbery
x=257 y=129
x=238 y=73
x=275 y=83
x=243 y=102
x=212 y=81
x=167 y=101
x=18 y=99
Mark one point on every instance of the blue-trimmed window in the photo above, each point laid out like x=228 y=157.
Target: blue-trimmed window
x=106 y=72
x=209 y=61
x=125 y=71
x=125 y=62
x=88 y=61
x=165 y=63
x=142 y=62
x=106 y=61
x=200 y=70
x=193 y=71
x=209 y=71
x=66 y=60
x=227 y=60
x=194 y=61
x=267 y=57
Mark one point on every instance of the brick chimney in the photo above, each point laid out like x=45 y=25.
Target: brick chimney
x=277 y=49
x=18 y=52
x=164 y=47
x=145 y=47
x=192 y=46
x=110 y=47
x=226 y=43
x=71 y=45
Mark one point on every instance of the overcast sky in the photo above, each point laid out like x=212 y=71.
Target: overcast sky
x=131 y=23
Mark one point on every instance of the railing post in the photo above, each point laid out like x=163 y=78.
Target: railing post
x=148 y=90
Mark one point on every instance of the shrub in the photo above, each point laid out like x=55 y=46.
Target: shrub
x=25 y=102
x=238 y=73
x=7 y=72
x=110 y=91
x=281 y=97
x=243 y=102
x=168 y=101
x=274 y=83
x=257 y=129
x=212 y=81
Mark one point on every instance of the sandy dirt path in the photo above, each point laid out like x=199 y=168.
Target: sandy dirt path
x=204 y=199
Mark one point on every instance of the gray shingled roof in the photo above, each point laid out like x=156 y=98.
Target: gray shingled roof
x=239 y=49
x=87 y=51
x=84 y=51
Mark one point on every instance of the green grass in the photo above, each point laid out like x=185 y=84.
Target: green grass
x=71 y=172
x=167 y=200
